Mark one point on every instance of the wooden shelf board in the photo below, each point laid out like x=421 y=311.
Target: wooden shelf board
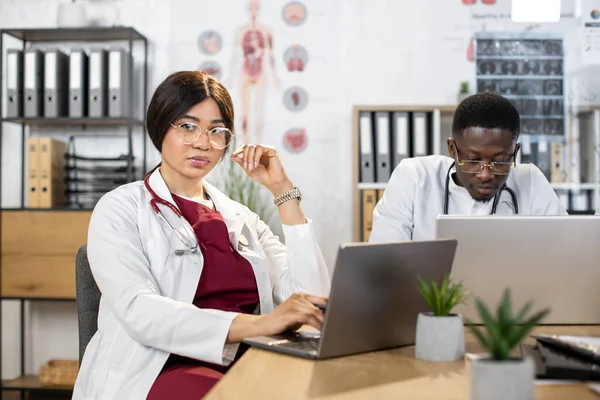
x=30 y=382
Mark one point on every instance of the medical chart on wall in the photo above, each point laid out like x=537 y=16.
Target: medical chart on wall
x=590 y=23
x=273 y=58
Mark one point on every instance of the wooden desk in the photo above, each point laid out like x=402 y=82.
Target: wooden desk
x=390 y=374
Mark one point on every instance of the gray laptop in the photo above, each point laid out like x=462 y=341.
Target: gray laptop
x=374 y=301
x=554 y=261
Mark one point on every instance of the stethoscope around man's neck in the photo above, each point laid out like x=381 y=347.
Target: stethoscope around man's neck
x=496 y=197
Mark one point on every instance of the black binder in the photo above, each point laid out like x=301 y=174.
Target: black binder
x=554 y=363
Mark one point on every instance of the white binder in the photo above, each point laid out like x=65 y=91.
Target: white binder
x=34 y=83
x=420 y=136
x=56 y=84
x=78 y=84
x=367 y=162
x=400 y=141
x=119 y=103
x=14 y=83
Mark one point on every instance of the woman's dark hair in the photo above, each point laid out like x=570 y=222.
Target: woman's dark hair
x=180 y=92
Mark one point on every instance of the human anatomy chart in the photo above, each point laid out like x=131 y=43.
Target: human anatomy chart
x=262 y=53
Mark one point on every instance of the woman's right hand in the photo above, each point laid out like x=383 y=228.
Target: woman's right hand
x=299 y=309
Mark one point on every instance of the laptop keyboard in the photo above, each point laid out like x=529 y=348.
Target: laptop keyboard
x=305 y=344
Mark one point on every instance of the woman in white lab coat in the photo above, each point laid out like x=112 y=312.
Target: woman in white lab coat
x=185 y=272
x=480 y=177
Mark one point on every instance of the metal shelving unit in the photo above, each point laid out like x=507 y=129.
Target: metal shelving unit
x=27 y=383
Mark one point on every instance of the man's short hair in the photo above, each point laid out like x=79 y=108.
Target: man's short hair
x=486 y=110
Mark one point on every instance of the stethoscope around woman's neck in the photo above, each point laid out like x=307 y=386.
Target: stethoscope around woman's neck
x=496 y=197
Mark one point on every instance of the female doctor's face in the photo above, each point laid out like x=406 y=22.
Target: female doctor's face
x=194 y=143
x=488 y=146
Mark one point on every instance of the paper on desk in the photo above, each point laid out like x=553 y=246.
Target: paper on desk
x=595 y=387
x=473 y=356
x=587 y=340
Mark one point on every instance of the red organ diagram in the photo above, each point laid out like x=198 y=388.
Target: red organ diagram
x=255 y=62
x=254 y=43
x=295 y=58
x=295 y=98
x=295 y=140
x=294 y=13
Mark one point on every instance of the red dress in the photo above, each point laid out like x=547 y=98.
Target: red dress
x=227 y=283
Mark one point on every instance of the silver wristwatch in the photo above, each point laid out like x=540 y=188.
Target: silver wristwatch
x=289 y=195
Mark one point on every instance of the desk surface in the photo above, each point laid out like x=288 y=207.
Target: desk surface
x=388 y=374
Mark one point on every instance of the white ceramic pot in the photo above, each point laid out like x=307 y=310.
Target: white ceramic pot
x=502 y=380
x=439 y=338
x=71 y=15
x=462 y=96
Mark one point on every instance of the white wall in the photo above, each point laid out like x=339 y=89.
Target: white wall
x=367 y=52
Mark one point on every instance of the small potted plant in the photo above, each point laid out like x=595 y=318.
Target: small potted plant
x=440 y=334
x=502 y=375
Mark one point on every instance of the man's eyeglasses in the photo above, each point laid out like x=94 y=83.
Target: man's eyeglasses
x=189 y=133
x=476 y=166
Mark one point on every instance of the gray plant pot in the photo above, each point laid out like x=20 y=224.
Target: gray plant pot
x=502 y=380
x=439 y=338
x=461 y=96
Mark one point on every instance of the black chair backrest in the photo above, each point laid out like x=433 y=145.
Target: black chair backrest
x=88 y=300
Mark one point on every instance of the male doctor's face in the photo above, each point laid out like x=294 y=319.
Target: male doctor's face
x=486 y=145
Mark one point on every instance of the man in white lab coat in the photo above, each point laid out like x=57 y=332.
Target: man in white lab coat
x=480 y=177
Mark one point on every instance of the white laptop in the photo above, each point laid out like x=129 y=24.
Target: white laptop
x=552 y=260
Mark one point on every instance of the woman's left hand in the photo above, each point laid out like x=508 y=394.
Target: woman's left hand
x=263 y=165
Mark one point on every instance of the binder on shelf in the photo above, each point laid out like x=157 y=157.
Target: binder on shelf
x=367 y=161
x=436 y=129
x=526 y=155
x=119 y=103
x=420 y=134
x=78 y=84
x=34 y=83
x=56 y=84
x=33 y=172
x=369 y=200
x=580 y=201
x=556 y=170
x=98 y=89
x=383 y=157
x=14 y=83
x=400 y=142
x=52 y=167
x=543 y=157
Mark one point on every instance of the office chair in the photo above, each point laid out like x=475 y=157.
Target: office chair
x=87 y=296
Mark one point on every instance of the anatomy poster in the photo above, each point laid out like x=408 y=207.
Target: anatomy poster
x=272 y=56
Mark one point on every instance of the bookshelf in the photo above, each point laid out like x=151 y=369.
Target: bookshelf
x=39 y=245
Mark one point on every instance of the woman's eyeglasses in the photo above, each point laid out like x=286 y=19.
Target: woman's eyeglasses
x=189 y=133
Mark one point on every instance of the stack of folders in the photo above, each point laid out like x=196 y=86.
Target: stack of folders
x=565 y=357
x=45 y=176
x=385 y=139
x=89 y=178
x=52 y=83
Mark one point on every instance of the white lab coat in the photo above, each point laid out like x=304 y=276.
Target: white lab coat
x=146 y=309
x=414 y=197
